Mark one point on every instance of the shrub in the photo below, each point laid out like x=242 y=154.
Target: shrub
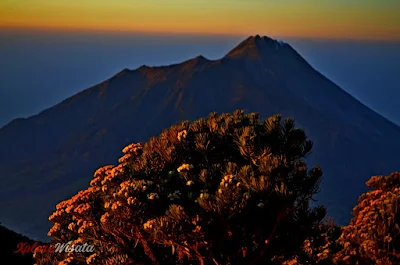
x=229 y=189
x=321 y=245
x=373 y=235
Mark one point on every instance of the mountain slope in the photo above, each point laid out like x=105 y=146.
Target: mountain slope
x=49 y=157
x=9 y=247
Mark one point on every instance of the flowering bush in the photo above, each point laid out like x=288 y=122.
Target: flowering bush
x=229 y=189
x=373 y=235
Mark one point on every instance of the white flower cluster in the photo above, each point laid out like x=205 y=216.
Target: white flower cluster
x=189 y=183
x=182 y=135
x=147 y=184
x=204 y=194
x=185 y=167
x=152 y=196
x=227 y=180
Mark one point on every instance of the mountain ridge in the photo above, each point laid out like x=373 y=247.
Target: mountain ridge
x=251 y=41
x=50 y=156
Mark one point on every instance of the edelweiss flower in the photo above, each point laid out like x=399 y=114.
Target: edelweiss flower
x=131 y=200
x=124 y=158
x=204 y=195
x=78 y=241
x=90 y=258
x=152 y=196
x=54 y=229
x=115 y=205
x=71 y=226
x=182 y=135
x=190 y=182
x=94 y=181
x=149 y=224
x=226 y=180
x=66 y=261
x=184 y=167
x=132 y=148
x=104 y=217
x=228 y=177
x=102 y=170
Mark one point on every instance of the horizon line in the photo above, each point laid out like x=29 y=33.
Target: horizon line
x=187 y=33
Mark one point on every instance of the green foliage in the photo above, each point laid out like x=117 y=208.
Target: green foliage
x=229 y=189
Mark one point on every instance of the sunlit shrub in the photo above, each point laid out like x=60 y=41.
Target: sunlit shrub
x=229 y=189
x=373 y=235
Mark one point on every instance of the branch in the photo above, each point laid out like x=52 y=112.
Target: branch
x=147 y=249
x=216 y=263
x=268 y=240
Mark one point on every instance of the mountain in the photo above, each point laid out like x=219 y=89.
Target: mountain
x=9 y=247
x=50 y=156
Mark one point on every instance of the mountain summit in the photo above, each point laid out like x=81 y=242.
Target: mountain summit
x=255 y=47
x=50 y=156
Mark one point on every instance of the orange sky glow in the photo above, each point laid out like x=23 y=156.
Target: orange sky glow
x=356 y=19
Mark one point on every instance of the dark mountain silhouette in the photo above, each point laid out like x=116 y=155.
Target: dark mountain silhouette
x=9 y=246
x=49 y=157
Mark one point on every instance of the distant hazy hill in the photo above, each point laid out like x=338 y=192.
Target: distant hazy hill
x=9 y=241
x=50 y=156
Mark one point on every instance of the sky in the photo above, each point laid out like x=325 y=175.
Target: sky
x=346 y=19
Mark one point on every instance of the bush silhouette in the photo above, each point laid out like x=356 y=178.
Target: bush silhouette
x=229 y=189
x=10 y=245
x=373 y=235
